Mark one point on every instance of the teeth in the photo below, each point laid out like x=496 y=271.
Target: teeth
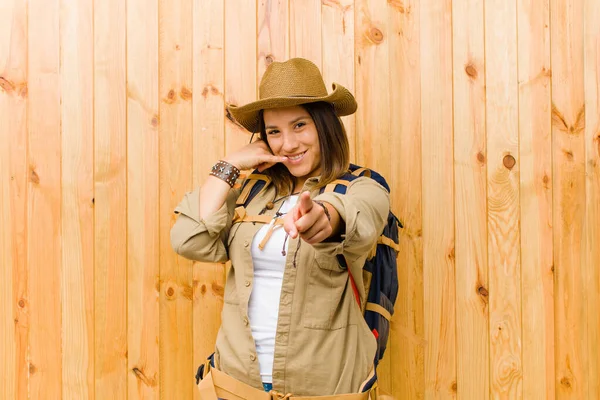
x=299 y=156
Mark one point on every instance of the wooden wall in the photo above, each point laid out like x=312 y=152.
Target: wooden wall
x=484 y=115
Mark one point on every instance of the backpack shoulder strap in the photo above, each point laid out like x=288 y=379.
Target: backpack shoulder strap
x=251 y=186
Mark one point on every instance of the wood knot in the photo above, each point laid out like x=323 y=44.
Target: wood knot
x=21 y=303
x=217 y=289
x=185 y=94
x=154 y=121
x=170 y=99
x=454 y=387
x=6 y=85
x=451 y=254
x=23 y=91
x=177 y=47
x=471 y=71
x=203 y=289
x=170 y=291
x=566 y=382
x=34 y=177
x=568 y=154
x=545 y=181
x=375 y=35
x=269 y=59
x=483 y=292
x=480 y=157
x=509 y=161
x=32 y=369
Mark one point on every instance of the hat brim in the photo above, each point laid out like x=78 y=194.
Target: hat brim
x=247 y=115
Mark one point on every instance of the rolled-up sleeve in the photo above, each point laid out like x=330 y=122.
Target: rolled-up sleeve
x=364 y=209
x=202 y=239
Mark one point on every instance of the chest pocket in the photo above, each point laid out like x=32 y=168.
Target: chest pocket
x=325 y=294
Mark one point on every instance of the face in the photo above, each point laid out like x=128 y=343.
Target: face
x=291 y=132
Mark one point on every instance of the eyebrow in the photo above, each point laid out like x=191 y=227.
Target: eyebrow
x=291 y=122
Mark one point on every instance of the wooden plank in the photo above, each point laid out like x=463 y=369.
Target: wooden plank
x=535 y=142
x=240 y=49
x=503 y=200
x=306 y=30
x=142 y=200
x=77 y=198
x=438 y=199
x=470 y=182
x=175 y=147
x=568 y=125
x=338 y=54
x=406 y=346
x=273 y=33
x=44 y=239
x=591 y=256
x=110 y=204
x=208 y=144
x=13 y=200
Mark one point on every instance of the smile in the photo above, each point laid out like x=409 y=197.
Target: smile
x=297 y=157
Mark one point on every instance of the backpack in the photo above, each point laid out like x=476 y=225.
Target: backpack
x=379 y=271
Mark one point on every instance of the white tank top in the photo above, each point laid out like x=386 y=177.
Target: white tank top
x=263 y=306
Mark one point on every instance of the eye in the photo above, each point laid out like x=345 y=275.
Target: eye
x=299 y=125
x=272 y=132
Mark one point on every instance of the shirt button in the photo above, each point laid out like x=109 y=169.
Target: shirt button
x=246 y=243
x=247 y=283
x=252 y=357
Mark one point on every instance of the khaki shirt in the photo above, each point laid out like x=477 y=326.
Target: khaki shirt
x=323 y=345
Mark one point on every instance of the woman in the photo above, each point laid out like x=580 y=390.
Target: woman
x=290 y=321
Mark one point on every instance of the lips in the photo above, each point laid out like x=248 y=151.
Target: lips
x=296 y=158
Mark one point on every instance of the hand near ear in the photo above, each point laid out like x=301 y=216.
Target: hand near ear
x=309 y=220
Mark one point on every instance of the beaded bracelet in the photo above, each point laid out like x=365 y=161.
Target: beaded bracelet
x=226 y=172
x=324 y=209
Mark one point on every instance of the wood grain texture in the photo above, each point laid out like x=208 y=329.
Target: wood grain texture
x=77 y=198
x=240 y=82
x=591 y=256
x=44 y=239
x=13 y=201
x=208 y=146
x=372 y=94
x=438 y=199
x=406 y=347
x=110 y=199
x=470 y=183
x=306 y=30
x=273 y=33
x=338 y=54
x=535 y=151
x=142 y=200
x=175 y=147
x=568 y=150
x=503 y=201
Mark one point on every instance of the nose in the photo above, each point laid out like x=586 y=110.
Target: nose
x=290 y=142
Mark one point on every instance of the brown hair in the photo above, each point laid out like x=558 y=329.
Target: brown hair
x=333 y=142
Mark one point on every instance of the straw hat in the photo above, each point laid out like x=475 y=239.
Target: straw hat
x=290 y=83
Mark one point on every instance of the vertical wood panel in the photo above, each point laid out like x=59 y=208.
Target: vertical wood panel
x=406 y=345
x=208 y=144
x=13 y=200
x=77 y=193
x=338 y=54
x=306 y=30
x=273 y=33
x=438 y=199
x=44 y=239
x=175 y=142
x=568 y=130
x=142 y=200
x=503 y=200
x=240 y=65
x=110 y=199
x=591 y=258
x=537 y=278
x=470 y=182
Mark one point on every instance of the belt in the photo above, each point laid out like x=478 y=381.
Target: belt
x=218 y=385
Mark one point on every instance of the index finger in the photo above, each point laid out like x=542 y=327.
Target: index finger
x=305 y=204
